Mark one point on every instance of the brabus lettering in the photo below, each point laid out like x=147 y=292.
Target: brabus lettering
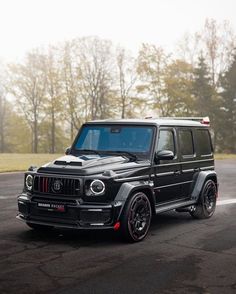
x=44 y=205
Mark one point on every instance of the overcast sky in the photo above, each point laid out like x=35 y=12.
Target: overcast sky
x=25 y=24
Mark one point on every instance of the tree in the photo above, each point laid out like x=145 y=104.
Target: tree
x=202 y=89
x=71 y=88
x=206 y=100
x=178 y=86
x=28 y=84
x=228 y=83
x=152 y=63
x=2 y=118
x=53 y=98
x=127 y=77
x=96 y=70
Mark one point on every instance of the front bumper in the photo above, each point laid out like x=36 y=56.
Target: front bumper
x=77 y=215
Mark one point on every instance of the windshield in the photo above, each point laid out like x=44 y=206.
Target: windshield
x=131 y=139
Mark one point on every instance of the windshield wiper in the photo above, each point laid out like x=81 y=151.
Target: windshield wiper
x=89 y=151
x=126 y=153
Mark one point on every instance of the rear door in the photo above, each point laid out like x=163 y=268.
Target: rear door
x=167 y=183
x=189 y=164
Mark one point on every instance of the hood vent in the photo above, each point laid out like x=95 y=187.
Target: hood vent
x=71 y=163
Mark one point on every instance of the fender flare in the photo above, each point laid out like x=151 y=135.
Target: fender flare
x=128 y=188
x=201 y=179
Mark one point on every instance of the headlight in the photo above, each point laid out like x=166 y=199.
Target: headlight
x=29 y=182
x=97 y=187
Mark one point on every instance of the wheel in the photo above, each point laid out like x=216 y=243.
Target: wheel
x=207 y=201
x=136 y=218
x=39 y=227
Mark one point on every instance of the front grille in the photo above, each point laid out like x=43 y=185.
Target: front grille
x=56 y=185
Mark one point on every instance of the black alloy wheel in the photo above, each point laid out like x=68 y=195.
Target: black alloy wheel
x=136 y=218
x=206 y=205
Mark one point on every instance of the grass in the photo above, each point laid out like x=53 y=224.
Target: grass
x=10 y=162
x=225 y=156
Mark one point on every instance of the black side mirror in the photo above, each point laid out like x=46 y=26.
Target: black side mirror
x=68 y=150
x=164 y=155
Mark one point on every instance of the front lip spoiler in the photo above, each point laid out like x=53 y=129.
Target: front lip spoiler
x=65 y=226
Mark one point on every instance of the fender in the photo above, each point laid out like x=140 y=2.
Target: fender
x=202 y=177
x=127 y=189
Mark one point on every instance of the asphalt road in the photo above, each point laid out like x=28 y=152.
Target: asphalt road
x=180 y=255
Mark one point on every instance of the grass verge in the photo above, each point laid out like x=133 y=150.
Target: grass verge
x=225 y=156
x=10 y=162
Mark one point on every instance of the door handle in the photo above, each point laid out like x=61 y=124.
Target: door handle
x=177 y=172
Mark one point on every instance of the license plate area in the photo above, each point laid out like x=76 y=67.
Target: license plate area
x=51 y=207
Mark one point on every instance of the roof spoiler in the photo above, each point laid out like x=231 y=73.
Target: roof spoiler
x=203 y=120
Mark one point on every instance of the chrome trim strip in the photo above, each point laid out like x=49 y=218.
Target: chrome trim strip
x=188 y=170
x=164 y=174
x=207 y=167
x=176 y=184
x=184 y=162
x=133 y=178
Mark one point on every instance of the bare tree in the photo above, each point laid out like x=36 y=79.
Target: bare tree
x=2 y=120
x=75 y=102
x=96 y=68
x=28 y=84
x=127 y=77
x=53 y=101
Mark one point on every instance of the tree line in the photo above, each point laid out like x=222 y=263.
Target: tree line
x=46 y=97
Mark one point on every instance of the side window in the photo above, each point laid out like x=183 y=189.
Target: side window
x=203 y=142
x=166 y=141
x=186 y=142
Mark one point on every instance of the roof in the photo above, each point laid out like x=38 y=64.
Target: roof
x=157 y=122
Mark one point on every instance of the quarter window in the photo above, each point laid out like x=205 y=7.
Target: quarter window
x=186 y=142
x=166 y=141
x=204 y=142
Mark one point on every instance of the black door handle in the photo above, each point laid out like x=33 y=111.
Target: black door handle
x=177 y=172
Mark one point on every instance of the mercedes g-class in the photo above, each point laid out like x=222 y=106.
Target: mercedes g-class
x=119 y=173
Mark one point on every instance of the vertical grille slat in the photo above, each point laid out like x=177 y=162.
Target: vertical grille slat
x=45 y=185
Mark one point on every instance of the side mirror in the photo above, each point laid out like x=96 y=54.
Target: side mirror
x=164 y=155
x=68 y=150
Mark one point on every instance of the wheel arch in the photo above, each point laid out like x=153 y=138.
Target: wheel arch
x=203 y=176
x=128 y=189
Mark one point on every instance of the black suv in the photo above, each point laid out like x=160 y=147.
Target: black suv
x=119 y=173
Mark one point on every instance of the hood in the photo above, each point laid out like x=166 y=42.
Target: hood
x=89 y=164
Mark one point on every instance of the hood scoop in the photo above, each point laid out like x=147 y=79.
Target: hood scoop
x=69 y=160
x=73 y=163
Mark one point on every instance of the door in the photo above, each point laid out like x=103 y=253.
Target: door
x=189 y=165
x=167 y=183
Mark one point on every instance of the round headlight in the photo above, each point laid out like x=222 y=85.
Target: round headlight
x=29 y=182
x=97 y=187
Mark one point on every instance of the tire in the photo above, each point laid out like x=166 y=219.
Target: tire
x=206 y=205
x=136 y=218
x=39 y=227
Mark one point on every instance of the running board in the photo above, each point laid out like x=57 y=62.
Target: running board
x=172 y=206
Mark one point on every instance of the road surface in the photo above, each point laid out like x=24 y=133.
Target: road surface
x=180 y=255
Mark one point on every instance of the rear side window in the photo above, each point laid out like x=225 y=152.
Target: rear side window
x=166 y=141
x=203 y=142
x=186 y=142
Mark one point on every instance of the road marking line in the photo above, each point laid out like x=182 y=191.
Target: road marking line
x=7 y=197
x=226 y=201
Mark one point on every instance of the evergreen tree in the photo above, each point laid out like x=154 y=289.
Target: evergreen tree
x=202 y=89
x=228 y=84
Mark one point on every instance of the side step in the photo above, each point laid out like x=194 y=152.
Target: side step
x=167 y=207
